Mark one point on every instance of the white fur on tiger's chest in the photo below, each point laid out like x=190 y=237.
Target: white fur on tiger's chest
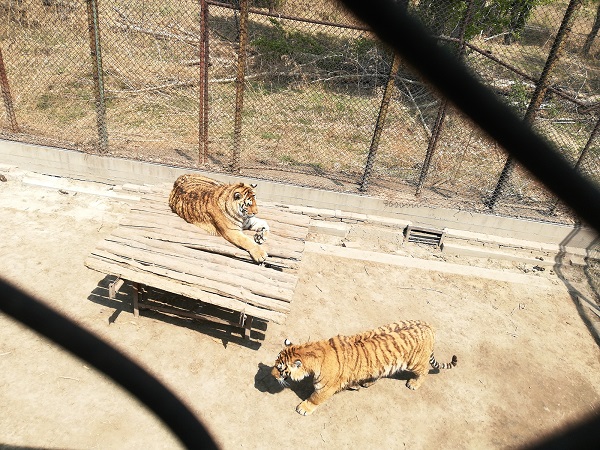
x=254 y=223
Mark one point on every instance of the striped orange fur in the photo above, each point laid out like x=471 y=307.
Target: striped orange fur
x=349 y=362
x=224 y=209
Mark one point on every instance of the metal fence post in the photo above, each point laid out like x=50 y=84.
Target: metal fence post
x=239 y=86
x=385 y=102
x=203 y=86
x=97 y=74
x=441 y=115
x=538 y=94
x=435 y=135
x=588 y=144
x=583 y=154
x=8 y=103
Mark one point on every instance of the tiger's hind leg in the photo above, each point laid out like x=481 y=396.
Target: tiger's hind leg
x=362 y=384
x=419 y=376
x=368 y=383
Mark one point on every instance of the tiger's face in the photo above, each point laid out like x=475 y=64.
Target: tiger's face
x=288 y=366
x=245 y=201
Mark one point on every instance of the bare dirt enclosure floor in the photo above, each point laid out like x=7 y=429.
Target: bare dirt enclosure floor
x=527 y=363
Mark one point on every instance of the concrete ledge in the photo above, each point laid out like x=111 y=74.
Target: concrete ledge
x=330 y=228
x=478 y=252
x=440 y=266
x=318 y=213
x=389 y=221
x=348 y=217
x=64 y=185
x=376 y=233
x=510 y=242
x=112 y=170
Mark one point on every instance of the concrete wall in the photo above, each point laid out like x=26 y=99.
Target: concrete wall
x=111 y=170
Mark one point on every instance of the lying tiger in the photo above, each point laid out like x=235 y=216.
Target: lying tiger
x=224 y=209
x=350 y=362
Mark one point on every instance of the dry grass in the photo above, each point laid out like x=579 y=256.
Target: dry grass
x=311 y=99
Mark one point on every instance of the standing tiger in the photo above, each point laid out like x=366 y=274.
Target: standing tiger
x=224 y=209
x=350 y=362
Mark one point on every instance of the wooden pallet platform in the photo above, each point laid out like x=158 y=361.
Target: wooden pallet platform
x=154 y=247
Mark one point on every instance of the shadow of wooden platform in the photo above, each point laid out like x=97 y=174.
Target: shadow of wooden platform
x=154 y=247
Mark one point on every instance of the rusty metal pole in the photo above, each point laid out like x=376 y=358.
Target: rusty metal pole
x=239 y=86
x=203 y=86
x=385 y=102
x=433 y=141
x=588 y=144
x=8 y=103
x=583 y=154
x=97 y=74
x=441 y=115
x=539 y=93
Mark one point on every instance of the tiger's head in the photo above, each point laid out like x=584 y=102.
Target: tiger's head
x=244 y=200
x=288 y=365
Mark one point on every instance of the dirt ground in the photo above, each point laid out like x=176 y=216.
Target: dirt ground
x=527 y=363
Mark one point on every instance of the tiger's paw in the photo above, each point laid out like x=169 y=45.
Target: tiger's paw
x=366 y=384
x=258 y=254
x=305 y=408
x=261 y=236
x=414 y=384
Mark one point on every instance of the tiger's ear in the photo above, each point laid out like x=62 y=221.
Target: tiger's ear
x=253 y=185
x=287 y=343
x=237 y=196
x=298 y=363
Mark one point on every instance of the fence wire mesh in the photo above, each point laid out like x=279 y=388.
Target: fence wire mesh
x=302 y=92
x=46 y=54
x=592 y=269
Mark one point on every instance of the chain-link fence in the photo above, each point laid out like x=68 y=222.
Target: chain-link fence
x=592 y=269
x=302 y=92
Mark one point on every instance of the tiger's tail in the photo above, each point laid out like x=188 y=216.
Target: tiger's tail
x=437 y=365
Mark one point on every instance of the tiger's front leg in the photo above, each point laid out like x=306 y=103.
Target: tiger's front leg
x=260 y=226
x=308 y=406
x=240 y=240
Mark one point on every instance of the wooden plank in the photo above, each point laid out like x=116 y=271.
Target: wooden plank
x=143 y=214
x=234 y=285
x=209 y=246
x=201 y=284
x=181 y=288
x=140 y=219
x=226 y=264
x=155 y=247
x=222 y=264
x=275 y=247
x=214 y=244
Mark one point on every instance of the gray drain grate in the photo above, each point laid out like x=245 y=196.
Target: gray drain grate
x=428 y=236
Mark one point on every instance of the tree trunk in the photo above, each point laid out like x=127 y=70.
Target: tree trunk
x=520 y=11
x=589 y=40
